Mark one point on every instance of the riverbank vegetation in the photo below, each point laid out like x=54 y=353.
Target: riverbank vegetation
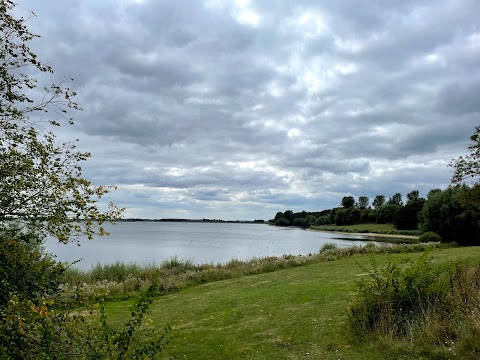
x=122 y=281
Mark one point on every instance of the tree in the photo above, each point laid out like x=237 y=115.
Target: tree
x=300 y=222
x=348 y=202
x=396 y=199
x=289 y=216
x=433 y=192
x=453 y=214
x=407 y=216
x=278 y=216
x=379 y=201
x=412 y=196
x=468 y=166
x=41 y=182
x=26 y=270
x=363 y=202
x=388 y=213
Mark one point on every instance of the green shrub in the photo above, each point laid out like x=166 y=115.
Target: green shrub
x=432 y=309
x=328 y=246
x=430 y=236
x=25 y=269
x=36 y=331
x=394 y=298
x=35 y=325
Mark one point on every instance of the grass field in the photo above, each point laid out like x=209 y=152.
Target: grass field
x=297 y=313
x=366 y=228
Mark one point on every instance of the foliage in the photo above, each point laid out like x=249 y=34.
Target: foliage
x=468 y=166
x=36 y=330
x=430 y=236
x=407 y=216
x=388 y=213
x=363 y=202
x=395 y=199
x=453 y=213
x=34 y=327
x=412 y=196
x=302 y=219
x=434 y=308
x=300 y=222
x=379 y=201
x=41 y=182
x=328 y=246
x=348 y=216
x=26 y=270
x=392 y=299
x=348 y=202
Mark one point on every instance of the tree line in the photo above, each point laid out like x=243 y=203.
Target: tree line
x=360 y=211
x=452 y=213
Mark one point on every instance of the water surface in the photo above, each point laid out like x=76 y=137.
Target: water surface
x=153 y=242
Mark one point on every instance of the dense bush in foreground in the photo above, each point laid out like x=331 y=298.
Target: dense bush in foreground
x=421 y=303
x=33 y=324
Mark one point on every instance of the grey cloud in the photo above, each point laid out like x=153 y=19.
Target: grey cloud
x=459 y=98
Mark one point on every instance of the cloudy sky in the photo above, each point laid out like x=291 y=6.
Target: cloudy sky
x=239 y=109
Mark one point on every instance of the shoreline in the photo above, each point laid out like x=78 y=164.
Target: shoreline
x=411 y=237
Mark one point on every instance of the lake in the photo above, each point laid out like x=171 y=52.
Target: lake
x=153 y=242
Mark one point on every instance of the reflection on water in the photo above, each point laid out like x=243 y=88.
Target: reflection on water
x=153 y=242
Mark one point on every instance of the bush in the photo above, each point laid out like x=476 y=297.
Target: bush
x=26 y=270
x=35 y=326
x=430 y=236
x=35 y=331
x=328 y=246
x=392 y=299
x=433 y=309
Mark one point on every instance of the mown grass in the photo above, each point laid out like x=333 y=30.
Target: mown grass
x=296 y=313
x=387 y=229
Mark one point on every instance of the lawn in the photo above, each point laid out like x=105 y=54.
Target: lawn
x=297 y=313
x=366 y=228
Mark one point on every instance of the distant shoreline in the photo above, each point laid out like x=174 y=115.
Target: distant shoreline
x=195 y=221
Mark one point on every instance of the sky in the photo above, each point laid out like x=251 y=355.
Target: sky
x=236 y=110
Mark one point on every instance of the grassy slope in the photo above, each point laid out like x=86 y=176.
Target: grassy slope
x=290 y=314
x=369 y=227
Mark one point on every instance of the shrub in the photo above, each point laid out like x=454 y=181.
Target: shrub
x=433 y=309
x=35 y=331
x=35 y=326
x=26 y=270
x=394 y=298
x=430 y=236
x=328 y=246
